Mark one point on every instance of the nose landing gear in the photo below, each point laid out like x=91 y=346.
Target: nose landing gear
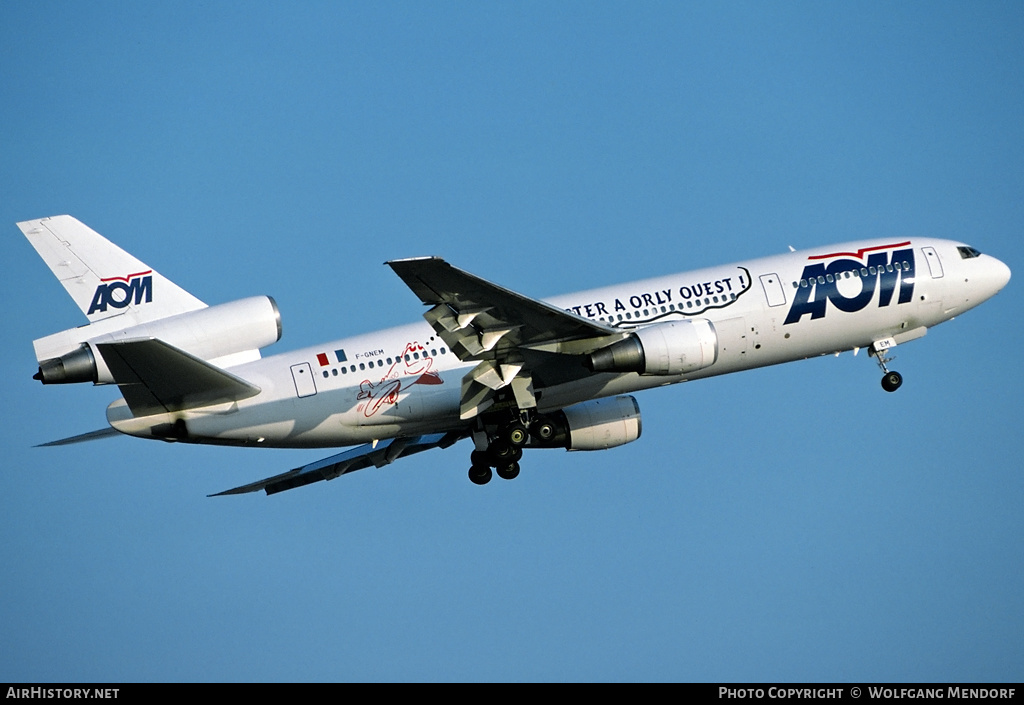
x=891 y=380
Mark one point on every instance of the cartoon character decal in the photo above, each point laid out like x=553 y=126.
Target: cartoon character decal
x=413 y=366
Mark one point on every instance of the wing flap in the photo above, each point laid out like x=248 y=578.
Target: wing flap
x=507 y=333
x=376 y=455
x=156 y=377
x=483 y=321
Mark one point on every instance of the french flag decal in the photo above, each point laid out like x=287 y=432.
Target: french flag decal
x=325 y=361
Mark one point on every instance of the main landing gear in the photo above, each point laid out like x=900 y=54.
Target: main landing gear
x=891 y=380
x=503 y=448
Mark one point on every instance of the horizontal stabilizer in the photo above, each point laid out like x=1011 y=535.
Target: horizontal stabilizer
x=156 y=378
x=82 y=438
x=384 y=453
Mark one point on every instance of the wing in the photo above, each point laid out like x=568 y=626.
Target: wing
x=155 y=377
x=513 y=337
x=379 y=455
x=82 y=437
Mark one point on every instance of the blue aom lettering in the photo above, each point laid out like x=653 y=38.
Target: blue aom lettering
x=119 y=294
x=882 y=271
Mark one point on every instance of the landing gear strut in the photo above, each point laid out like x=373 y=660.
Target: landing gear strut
x=891 y=380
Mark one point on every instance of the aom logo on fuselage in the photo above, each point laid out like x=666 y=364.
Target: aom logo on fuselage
x=122 y=291
x=836 y=281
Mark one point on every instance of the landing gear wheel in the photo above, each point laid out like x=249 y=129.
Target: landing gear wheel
x=892 y=381
x=543 y=431
x=517 y=435
x=509 y=472
x=480 y=474
x=501 y=453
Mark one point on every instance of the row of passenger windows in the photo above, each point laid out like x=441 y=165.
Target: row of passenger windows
x=849 y=274
x=692 y=303
x=373 y=364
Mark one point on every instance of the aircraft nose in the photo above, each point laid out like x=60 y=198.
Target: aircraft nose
x=996 y=275
x=1000 y=274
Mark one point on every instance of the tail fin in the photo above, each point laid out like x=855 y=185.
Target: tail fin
x=103 y=279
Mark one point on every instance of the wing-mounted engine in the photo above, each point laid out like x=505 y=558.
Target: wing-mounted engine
x=671 y=348
x=225 y=335
x=592 y=425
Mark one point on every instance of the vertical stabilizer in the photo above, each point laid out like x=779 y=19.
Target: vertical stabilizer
x=103 y=279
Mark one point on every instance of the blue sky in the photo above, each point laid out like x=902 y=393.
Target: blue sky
x=791 y=523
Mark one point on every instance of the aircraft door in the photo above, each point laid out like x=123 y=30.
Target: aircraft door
x=302 y=375
x=934 y=265
x=773 y=290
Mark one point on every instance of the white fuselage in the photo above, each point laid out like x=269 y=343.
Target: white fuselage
x=405 y=380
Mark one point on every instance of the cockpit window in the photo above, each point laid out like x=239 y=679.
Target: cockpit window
x=968 y=252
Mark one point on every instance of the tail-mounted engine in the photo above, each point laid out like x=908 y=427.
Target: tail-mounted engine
x=227 y=334
x=672 y=348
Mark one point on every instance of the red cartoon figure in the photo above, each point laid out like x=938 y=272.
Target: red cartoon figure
x=411 y=367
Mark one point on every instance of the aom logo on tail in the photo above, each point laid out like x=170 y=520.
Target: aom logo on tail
x=837 y=281
x=122 y=291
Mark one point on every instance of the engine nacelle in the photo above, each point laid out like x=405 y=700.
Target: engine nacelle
x=672 y=348
x=601 y=423
x=225 y=335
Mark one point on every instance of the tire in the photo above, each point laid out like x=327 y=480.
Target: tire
x=501 y=452
x=892 y=381
x=509 y=472
x=480 y=474
x=543 y=431
x=517 y=435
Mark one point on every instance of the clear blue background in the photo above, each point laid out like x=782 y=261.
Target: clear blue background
x=792 y=523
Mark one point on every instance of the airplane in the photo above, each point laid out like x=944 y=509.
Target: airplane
x=507 y=371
